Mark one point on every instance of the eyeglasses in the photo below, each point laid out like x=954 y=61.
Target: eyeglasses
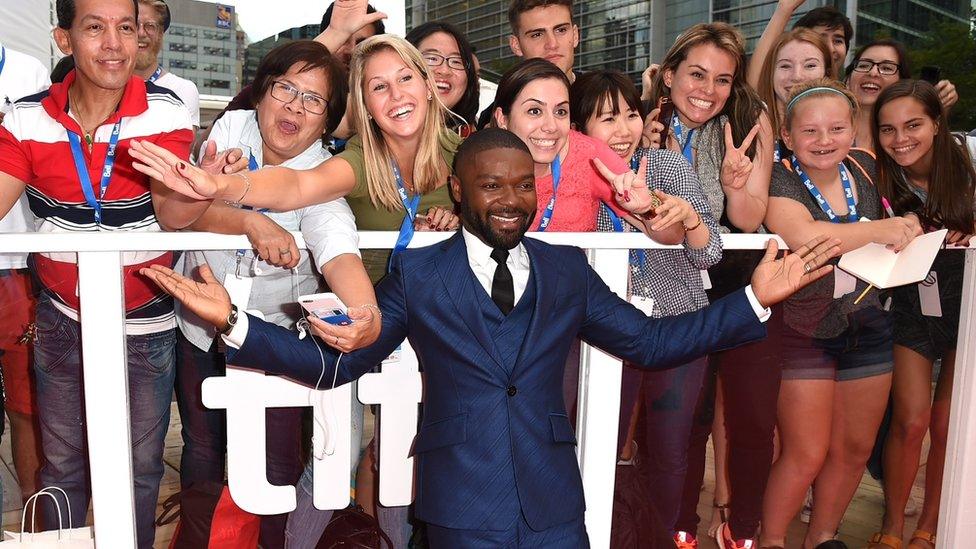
x=885 y=68
x=287 y=93
x=151 y=27
x=436 y=60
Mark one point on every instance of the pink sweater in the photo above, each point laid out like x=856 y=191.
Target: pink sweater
x=581 y=187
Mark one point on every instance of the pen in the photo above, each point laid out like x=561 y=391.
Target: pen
x=887 y=207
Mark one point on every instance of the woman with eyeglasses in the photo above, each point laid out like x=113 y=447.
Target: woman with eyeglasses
x=393 y=173
x=876 y=66
x=299 y=94
x=451 y=62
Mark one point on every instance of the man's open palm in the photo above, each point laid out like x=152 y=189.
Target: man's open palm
x=208 y=299
x=777 y=279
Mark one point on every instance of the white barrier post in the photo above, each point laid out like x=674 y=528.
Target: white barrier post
x=106 y=385
x=599 y=409
x=957 y=521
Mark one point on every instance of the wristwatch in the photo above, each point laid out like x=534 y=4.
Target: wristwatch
x=231 y=320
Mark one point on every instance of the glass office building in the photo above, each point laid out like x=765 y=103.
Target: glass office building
x=613 y=33
x=202 y=47
x=628 y=34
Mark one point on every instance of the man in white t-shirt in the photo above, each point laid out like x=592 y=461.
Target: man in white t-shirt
x=154 y=19
x=20 y=76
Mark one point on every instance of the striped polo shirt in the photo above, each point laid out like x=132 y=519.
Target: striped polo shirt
x=34 y=148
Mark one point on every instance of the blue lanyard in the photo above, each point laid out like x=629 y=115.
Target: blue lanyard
x=155 y=76
x=637 y=257
x=845 y=180
x=252 y=165
x=683 y=142
x=411 y=205
x=82 y=168
x=3 y=58
x=547 y=214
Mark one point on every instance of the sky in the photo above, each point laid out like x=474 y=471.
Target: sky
x=262 y=18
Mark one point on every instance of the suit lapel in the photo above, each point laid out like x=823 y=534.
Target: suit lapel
x=455 y=273
x=545 y=274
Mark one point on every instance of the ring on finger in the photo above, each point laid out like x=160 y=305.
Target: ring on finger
x=806 y=267
x=284 y=252
x=337 y=340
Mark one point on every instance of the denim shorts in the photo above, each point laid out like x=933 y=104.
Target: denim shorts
x=863 y=350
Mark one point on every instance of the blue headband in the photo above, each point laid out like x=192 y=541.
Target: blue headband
x=816 y=89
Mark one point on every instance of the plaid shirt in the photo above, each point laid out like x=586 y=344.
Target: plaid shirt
x=672 y=278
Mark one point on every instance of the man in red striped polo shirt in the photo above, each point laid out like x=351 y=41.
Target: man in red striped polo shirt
x=67 y=148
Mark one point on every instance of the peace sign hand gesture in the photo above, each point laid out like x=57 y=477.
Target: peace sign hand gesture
x=737 y=166
x=167 y=168
x=630 y=189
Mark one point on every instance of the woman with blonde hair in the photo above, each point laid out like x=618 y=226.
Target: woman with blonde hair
x=393 y=173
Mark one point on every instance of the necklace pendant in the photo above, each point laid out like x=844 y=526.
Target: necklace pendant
x=89 y=141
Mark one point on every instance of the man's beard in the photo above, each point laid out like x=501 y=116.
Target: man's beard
x=146 y=59
x=481 y=226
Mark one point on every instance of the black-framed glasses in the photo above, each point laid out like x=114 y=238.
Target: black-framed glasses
x=286 y=93
x=436 y=60
x=885 y=68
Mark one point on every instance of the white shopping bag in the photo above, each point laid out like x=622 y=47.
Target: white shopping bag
x=62 y=538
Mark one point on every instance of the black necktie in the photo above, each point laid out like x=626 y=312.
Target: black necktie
x=502 y=286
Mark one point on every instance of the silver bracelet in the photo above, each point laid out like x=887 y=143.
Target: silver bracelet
x=247 y=187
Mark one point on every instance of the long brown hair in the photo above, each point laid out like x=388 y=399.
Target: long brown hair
x=766 y=91
x=952 y=180
x=743 y=106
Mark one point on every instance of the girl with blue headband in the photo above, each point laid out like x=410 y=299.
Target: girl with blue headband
x=838 y=372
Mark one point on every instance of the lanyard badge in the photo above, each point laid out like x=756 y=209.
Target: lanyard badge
x=556 y=167
x=845 y=181
x=683 y=141
x=81 y=166
x=252 y=165
x=410 y=205
x=637 y=257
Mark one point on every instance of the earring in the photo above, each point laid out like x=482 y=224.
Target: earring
x=369 y=116
x=430 y=96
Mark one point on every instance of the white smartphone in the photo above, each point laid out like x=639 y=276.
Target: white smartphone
x=327 y=307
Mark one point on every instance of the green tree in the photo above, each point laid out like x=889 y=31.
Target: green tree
x=951 y=46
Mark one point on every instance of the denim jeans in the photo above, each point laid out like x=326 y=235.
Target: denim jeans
x=60 y=397
x=669 y=402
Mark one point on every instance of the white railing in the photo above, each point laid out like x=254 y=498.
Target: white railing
x=107 y=407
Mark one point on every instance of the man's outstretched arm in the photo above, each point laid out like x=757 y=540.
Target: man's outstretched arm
x=621 y=329
x=254 y=343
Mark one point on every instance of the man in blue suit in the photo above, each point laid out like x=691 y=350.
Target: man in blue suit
x=492 y=316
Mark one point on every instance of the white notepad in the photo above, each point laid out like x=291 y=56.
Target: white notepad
x=877 y=265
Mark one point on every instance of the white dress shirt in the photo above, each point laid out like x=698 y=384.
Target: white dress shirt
x=479 y=258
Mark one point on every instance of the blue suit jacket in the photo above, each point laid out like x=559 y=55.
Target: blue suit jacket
x=494 y=441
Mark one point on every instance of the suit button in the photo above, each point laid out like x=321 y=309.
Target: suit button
x=512 y=390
